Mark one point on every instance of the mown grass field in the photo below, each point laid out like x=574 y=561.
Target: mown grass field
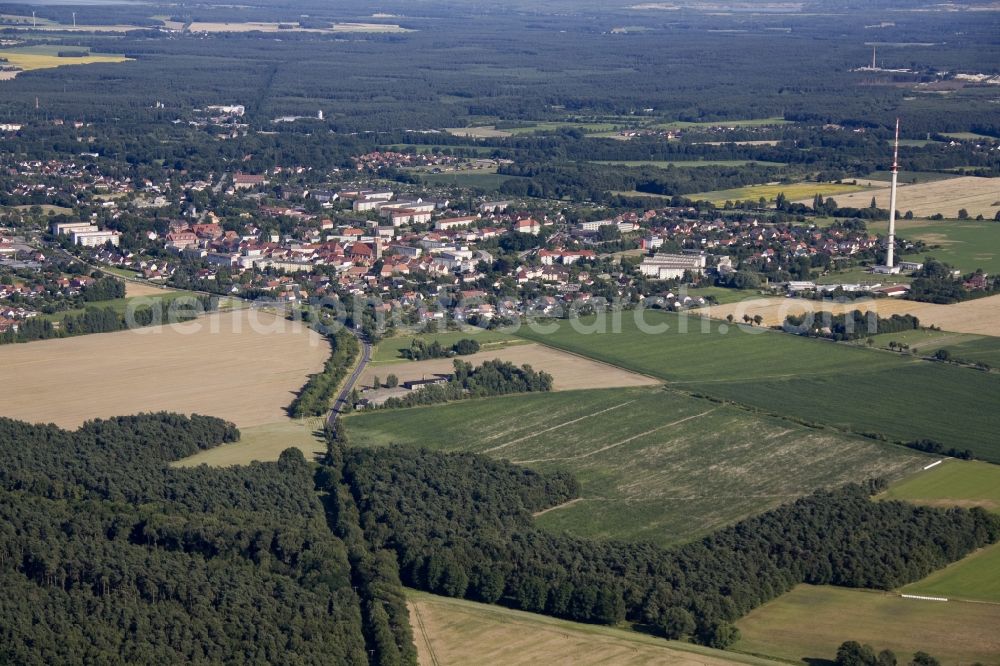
x=974 y=578
x=654 y=465
x=966 y=484
x=390 y=350
x=851 y=388
x=809 y=623
x=952 y=483
x=792 y=191
x=966 y=244
x=450 y=631
x=961 y=346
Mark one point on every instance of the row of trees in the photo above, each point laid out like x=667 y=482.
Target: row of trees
x=106 y=320
x=421 y=350
x=852 y=653
x=848 y=326
x=461 y=526
x=314 y=398
x=374 y=573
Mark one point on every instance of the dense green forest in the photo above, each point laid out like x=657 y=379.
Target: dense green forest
x=109 y=556
x=109 y=553
x=461 y=526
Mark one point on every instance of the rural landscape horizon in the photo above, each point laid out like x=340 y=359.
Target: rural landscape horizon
x=458 y=333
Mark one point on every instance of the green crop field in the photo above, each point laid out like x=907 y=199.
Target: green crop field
x=390 y=350
x=848 y=387
x=654 y=465
x=809 y=623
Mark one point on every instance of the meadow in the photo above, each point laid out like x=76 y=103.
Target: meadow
x=264 y=443
x=684 y=164
x=965 y=484
x=455 y=631
x=966 y=244
x=815 y=381
x=809 y=623
x=973 y=578
x=484 y=179
x=792 y=191
x=961 y=346
x=216 y=364
x=653 y=465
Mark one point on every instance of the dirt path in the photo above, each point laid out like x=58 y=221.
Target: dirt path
x=564 y=505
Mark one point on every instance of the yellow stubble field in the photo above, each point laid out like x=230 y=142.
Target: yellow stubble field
x=242 y=366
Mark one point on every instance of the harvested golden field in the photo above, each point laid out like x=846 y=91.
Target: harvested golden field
x=242 y=366
x=568 y=370
x=980 y=316
x=979 y=196
x=143 y=289
x=809 y=623
x=31 y=61
x=454 y=631
x=809 y=189
x=252 y=26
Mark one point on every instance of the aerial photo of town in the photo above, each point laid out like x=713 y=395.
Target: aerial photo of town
x=526 y=332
